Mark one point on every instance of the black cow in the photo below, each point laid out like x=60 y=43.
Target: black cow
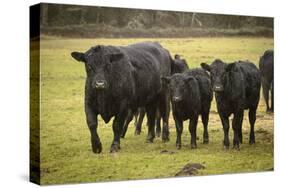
x=123 y=78
x=191 y=95
x=237 y=87
x=178 y=66
x=266 y=68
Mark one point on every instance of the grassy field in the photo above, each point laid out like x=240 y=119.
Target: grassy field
x=66 y=155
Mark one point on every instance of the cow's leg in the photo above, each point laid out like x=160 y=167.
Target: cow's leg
x=129 y=118
x=158 y=124
x=92 y=124
x=272 y=96
x=236 y=124
x=179 y=127
x=192 y=129
x=252 y=119
x=265 y=90
x=136 y=117
x=164 y=109
x=240 y=134
x=225 y=124
x=151 y=114
x=117 y=127
x=140 y=120
x=205 y=120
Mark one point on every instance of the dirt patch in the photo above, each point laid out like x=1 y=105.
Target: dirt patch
x=167 y=152
x=214 y=130
x=190 y=169
x=262 y=131
x=266 y=135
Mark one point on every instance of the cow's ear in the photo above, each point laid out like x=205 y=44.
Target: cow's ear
x=166 y=79
x=177 y=56
x=229 y=67
x=78 y=56
x=205 y=66
x=189 y=79
x=116 y=57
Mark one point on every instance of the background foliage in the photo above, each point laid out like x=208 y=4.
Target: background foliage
x=93 y=21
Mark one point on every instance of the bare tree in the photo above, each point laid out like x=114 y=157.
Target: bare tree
x=195 y=18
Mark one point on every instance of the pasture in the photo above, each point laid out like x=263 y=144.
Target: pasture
x=66 y=155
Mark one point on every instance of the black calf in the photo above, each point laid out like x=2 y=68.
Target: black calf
x=237 y=87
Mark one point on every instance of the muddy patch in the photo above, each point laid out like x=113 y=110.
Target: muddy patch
x=262 y=131
x=215 y=130
x=167 y=152
x=266 y=135
x=190 y=169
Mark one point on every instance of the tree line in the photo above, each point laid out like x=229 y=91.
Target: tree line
x=61 y=15
x=69 y=19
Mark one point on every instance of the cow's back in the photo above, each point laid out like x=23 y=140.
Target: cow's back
x=204 y=83
x=152 y=54
x=151 y=62
x=252 y=80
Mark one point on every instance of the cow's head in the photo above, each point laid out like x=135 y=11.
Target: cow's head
x=98 y=65
x=216 y=70
x=179 y=66
x=177 y=86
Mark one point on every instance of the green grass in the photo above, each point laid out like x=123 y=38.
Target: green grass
x=66 y=155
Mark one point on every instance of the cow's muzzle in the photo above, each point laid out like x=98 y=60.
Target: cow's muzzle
x=100 y=84
x=176 y=99
x=218 y=88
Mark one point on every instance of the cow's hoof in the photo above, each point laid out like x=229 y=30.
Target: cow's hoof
x=178 y=146
x=137 y=132
x=149 y=140
x=226 y=147
x=165 y=139
x=123 y=134
x=251 y=142
x=150 y=137
x=114 y=148
x=206 y=141
x=269 y=111
x=225 y=144
x=158 y=134
x=236 y=147
x=193 y=146
x=96 y=147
